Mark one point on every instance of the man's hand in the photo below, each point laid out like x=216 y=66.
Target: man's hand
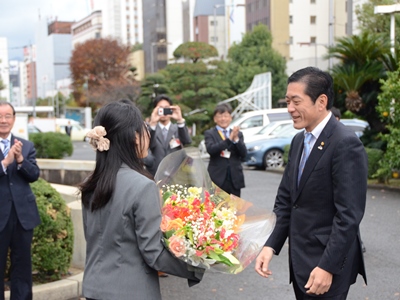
x=263 y=260
x=154 y=118
x=18 y=151
x=177 y=114
x=234 y=136
x=319 y=282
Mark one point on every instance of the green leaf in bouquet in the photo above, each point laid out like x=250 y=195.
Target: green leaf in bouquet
x=231 y=258
x=218 y=251
x=218 y=223
x=166 y=195
x=214 y=256
x=169 y=233
x=189 y=233
x=217 y=235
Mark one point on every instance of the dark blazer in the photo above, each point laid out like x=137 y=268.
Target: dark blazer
x=124 y=246
x=218 y=166
x=14 y=187
x=321 y=216
x=160 y=148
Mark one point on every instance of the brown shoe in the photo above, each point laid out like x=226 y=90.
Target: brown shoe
x=162 y=274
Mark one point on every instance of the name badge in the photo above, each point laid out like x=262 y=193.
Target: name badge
x=174 y=143
x=225 y=154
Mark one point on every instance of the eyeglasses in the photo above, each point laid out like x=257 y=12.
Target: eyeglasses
x=7 y=117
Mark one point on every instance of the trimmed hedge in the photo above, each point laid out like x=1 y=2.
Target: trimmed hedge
x=374 y=157
x=53 y=145
x=53 y=239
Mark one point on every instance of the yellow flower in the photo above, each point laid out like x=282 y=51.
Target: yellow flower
x=385 y=114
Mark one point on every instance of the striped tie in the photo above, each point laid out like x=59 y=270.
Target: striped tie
x=6 y=147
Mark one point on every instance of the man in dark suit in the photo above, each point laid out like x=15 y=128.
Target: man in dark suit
x=18 y=210
x=165 y=137
x=227 y=151
x=319 y=206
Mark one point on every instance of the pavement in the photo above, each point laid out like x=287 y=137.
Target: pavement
x=71 y=287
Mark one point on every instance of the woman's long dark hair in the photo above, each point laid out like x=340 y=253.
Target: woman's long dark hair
x=121 y=121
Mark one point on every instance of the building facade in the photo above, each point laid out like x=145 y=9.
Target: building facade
x=122 y=19
x=53 y=50
x=88 y=28
x=4 y=69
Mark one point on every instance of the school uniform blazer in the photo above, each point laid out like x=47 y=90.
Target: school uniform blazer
x=218 y=166
x=160 y=148
x=321 y=216
x=123 y=243
x=15 y=188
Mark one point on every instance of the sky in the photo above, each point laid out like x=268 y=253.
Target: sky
x=18 y=19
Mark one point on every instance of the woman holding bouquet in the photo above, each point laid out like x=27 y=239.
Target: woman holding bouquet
x=121 y=226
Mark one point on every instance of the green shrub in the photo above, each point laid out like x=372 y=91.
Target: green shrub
x=374 y=156
x=51 y=144
x=286 y=154
x=53 y=239
x=197 y=139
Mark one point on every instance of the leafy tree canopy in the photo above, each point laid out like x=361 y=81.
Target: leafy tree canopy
x=100 y=71
x=255 y=55
x=195 y=51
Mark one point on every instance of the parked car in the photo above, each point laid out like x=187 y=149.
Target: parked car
x=269 y=130
x=253 y=121
x=78 y=133
x=267 y=152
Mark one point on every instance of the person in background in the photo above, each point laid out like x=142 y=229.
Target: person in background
x=166 y=137
x=68 y=129
x=336 y=112
x=18 y=210
x=122 y=215
x=227 y=151
x=321 y=198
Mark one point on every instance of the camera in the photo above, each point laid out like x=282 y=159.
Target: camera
x=163 y=111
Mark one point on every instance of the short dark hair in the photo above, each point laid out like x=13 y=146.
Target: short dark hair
x=317 y=83
x=336 y=112
x=161 y=97
x=222 y=108
x=3 y=103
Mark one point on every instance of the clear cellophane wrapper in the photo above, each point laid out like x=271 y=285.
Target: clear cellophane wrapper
x=202 y=224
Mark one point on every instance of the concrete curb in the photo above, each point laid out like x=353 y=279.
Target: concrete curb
x=65 y=289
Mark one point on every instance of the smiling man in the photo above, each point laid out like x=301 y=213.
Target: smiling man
x=321 y=199
x=227 y=151
x=18 y=210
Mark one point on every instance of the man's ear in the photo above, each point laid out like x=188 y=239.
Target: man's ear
x=322 y=102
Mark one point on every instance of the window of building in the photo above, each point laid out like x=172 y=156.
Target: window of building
x=312 y=1
x=313 y=19
x=291 y=19
x=212 y=23
x=313 y=39
x=291 y=40
x=214 y=39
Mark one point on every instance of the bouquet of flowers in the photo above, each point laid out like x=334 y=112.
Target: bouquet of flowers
x=203 y=225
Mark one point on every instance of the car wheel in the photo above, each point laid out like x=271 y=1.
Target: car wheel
x=273 y=159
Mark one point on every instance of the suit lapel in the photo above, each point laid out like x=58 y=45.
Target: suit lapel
x=320 y=146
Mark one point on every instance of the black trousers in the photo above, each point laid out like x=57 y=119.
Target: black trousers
x=18 y=240
x=301 y=296
x=228 y=187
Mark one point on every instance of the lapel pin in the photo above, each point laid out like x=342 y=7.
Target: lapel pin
x=321 y=146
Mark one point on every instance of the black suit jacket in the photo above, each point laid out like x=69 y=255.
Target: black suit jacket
x=14 y=188
x=160 y=148
x=218 y=166
x=321 y=216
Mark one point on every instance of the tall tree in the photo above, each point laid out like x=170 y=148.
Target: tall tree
x=101 y=72
x=255 y=55
x=195 y=51
x=358 y=72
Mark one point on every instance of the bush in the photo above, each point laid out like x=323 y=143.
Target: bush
x=286 y=150
x=197 y=139
x=51 y=144
x=53 y=239
x=374 y=156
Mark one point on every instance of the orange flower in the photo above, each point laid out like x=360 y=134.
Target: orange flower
x=164 y=223
x=175 y=224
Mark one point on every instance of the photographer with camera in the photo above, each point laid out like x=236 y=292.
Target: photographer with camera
x=166 y=137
